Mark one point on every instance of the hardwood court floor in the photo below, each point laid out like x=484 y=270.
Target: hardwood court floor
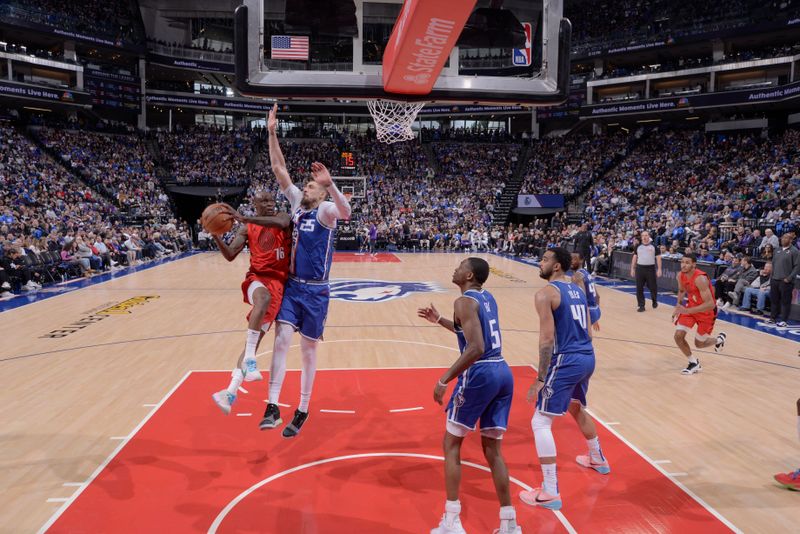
x=66 y=392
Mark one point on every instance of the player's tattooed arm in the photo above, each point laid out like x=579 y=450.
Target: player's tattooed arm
x=547 y=329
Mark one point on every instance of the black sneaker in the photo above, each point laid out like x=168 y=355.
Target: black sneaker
x=721 y=337
x=692 y=368
x=272 y=417
x=640 y=309
x=293 y=428
x=655 y=304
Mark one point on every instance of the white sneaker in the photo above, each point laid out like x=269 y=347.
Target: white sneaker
x=6 y=295
x=726 y=306
x=719 y=303
x=782 y=324
x=224 y=400
x=449 y=527
x=720 y=344
x=251 y=372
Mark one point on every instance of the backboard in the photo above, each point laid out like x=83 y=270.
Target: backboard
x=513 y=52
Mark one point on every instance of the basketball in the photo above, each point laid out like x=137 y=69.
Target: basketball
x=215 y=220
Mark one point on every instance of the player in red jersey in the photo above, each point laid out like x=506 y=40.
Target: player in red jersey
x=269 y=241
x=700 y=310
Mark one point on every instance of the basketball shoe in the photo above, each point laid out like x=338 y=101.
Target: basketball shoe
x=272 y=417
x=586 y=461
x=692 y=368
x=251 y=372
x=449 y=526
x=720 y=344
x=224 y=400
x=789 y=480
x=293 y=428
x=538 y=497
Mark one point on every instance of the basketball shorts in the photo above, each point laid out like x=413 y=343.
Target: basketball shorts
x=483 y=393
x=594 y=314
x=704 y=321
x=305 y=308
x=275 y=288
x=567 y=380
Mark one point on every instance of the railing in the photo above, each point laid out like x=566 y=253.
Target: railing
x=191 y=53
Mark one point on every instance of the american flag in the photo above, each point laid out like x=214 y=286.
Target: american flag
x=289 y=47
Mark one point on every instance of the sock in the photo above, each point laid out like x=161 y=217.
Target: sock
x=236 y=380
x=550 y=484
x=252 y=343
x=692 y=359
x=277 y=369
x=594 y=450
x=452 y=509
x=308 y=349
x=507 y=513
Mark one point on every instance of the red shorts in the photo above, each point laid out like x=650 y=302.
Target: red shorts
x=275 y=288
x=704 y=321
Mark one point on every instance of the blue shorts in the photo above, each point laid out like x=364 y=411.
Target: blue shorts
x=567 y=380
x=594 y=314
x=305 y=307
x=483 y=392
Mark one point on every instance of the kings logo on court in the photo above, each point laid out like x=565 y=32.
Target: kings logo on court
x=378 y=290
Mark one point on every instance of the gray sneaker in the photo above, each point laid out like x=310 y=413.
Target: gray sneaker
x=272 y=417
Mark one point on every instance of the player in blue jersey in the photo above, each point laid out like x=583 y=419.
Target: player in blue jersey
x=566 y=363
x=483 y=391
x=305 y=299
x=582 y=278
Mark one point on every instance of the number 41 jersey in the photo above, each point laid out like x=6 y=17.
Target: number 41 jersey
x=490 y=324
x=571 y=323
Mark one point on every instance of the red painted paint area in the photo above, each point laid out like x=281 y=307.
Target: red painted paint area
x=188 y=462
x=358 y=257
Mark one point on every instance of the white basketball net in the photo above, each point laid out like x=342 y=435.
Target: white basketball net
x=393 y=119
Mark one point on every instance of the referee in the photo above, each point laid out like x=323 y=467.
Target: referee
x=647 y=264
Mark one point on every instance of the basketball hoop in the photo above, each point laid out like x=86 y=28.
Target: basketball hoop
x=393 y=119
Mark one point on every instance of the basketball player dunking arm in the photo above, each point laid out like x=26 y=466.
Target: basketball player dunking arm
x=700 y=310
x=582 y=278
x=566 y=363
x=305 y=300
x=268 y=239
x=483 y=392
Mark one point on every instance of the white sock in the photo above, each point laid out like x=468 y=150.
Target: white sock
x=277 y=369
x=507 y=513
x=252 y=343
x=550 y=484
x=236 y=380
x=692 y=359
x=308 y=349
x=452 y=509
x=594 y=450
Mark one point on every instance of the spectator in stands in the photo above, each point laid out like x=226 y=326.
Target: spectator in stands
x=785 y=269
x=726 y=282
x=746 y=277
x=760 y=289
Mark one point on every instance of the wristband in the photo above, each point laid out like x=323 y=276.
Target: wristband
x=439 y=319
x=441 y=384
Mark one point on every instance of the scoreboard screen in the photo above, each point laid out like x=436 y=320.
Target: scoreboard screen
x=347 y=162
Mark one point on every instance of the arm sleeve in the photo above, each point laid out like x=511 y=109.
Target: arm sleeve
x=328 y=213
x=294 y=195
